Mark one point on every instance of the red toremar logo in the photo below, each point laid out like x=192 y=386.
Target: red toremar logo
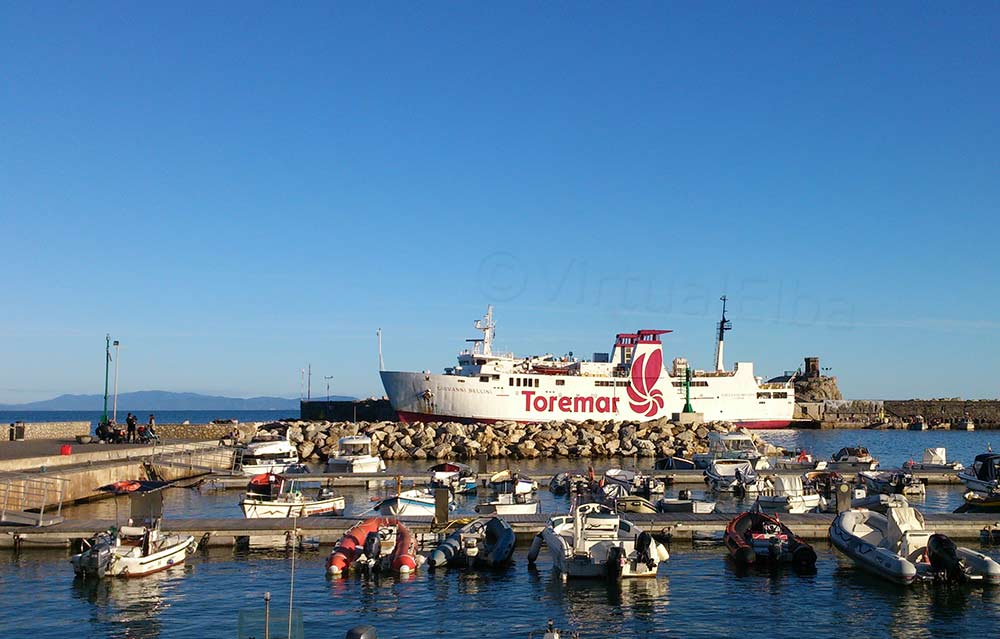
x=643 y=396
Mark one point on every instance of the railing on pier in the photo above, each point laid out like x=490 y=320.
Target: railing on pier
x=24 y=498
x=209 y=458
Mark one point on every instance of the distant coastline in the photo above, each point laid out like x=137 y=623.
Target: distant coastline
x=154 y=400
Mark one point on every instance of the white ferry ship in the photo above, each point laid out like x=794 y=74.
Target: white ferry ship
x=629 y=384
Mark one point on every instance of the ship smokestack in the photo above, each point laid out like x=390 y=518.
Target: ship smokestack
x=724 y=325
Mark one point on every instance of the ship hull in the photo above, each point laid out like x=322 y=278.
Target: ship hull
x=526 y=398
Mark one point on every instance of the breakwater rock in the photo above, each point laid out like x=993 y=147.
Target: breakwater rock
x=317 y=440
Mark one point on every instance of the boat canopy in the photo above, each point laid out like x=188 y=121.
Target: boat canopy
x=987 y=466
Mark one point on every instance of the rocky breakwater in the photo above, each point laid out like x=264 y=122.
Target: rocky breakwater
x=317 y=440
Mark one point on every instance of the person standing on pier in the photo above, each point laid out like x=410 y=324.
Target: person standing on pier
x=131 y=422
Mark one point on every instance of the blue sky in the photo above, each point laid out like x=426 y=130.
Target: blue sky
x=235 y=191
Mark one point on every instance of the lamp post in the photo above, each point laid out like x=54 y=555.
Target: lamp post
x=328 y=378
x=107 y=360
x=114 y=410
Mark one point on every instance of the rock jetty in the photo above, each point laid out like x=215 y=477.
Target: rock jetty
x=317 y=440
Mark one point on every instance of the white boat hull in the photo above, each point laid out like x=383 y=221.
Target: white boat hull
x=255 y=509
x=498 y=508
x=355 y=465
x=132 y=564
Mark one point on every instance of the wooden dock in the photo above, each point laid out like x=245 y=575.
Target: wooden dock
x=683 y=527
x=226 y=481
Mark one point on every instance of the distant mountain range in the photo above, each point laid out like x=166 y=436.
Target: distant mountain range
x=162 y=400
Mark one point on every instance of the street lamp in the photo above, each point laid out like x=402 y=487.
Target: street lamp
x=328 y=378
x=114 y=410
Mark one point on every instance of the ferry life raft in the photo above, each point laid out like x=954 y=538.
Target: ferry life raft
x=382 y=542
x=754 y=537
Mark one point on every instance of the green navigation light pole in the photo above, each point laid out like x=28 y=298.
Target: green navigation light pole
x=107 y=360
x=687 y=392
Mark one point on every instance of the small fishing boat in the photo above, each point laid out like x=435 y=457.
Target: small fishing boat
x=984 y=474
x=787 y=493
x=132 y=550
x=964 y=424
x=564 y=483
x=892 y=483
x=633 y=481
x=684 y=503
x=933 y=459
x=486 y=542
x=272 y=495
x=852 y=458
x=980 y=502
x=917 y=423
x=551 y=632
x=823 y=482
x=896 y=546
x=798 y=460
x=377 y=544
x=508 y=504
x=594 y=541
x=511 y=481
x=458 y=478
x=634 y=504
x=354 y=455
x=417 y=502
x=754 y=537
x=673 y=462
x=268 y=454
x=735 y=476
x=735 y=445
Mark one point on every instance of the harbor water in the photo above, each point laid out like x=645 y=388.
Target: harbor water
x=698 y=593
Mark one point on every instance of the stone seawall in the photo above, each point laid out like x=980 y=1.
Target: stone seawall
x=195 y=432
x=985 y=412
x=43 y=430
x=396 y=440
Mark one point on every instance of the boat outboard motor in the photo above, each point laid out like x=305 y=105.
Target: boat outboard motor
x=804 y=557
x=362 y=632
x=372 y=548
x=615 y=564
x=943 y=555
x=743 y=480
x=644 y=549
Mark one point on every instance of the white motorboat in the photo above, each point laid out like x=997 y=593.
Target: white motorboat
x=786 y=493
x=594 y=541
x=878 y=502
x=892 y=483
x=458 y=478
x=984 y=475
x=271 y=495
x=354 y=455
x=933 y=459
x=684 y=503
x=134 y=550
x=735 y=445
x=735 y=476
x=965 y=423
x=509 y=481
x=896 y=546
x=852 y=458
x=418 y=502
x=509 y=504
x=267 y=454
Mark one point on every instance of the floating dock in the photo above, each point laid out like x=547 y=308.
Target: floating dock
x=328 y=530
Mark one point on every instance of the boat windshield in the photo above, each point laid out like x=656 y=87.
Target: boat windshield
x=354 y=449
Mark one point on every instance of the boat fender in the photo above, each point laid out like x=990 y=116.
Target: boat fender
x=536 y=547
x=662 y=553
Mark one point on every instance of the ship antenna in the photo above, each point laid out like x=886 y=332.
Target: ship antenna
x=486 y=325
x=381 y=364
x=724 y=325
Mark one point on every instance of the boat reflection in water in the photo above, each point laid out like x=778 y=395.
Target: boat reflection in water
x=129 y=607
x=641 y=605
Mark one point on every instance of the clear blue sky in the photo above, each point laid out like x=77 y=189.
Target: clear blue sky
x=235 y=190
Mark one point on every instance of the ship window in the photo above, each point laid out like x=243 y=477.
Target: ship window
x=621 y=383
x=779 y=395
x=560 y=382
x=511 y=380
x=518 y=381
x=536 y=382
x=484 y=378
x=763 y=395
